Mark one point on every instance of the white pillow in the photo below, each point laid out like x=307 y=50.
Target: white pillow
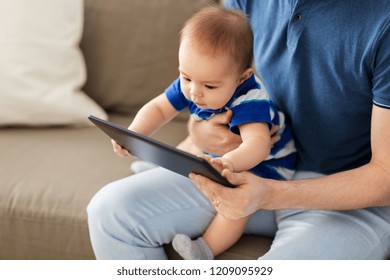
x=41 y=66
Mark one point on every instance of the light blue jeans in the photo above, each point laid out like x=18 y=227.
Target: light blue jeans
x=133 y=217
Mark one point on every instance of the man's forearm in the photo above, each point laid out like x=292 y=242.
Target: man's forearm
x=362 y=187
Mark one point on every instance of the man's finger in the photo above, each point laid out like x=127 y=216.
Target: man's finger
x=223 y=118
x=233 y=177
x=274 y=129
x=209 y=189
x=274 y=139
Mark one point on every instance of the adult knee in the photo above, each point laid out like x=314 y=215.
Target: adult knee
x=119 y=209
x=101 y=206
x=110 y=205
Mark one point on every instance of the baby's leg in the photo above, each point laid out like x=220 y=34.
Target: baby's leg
x=219 y=236
x=223 y=233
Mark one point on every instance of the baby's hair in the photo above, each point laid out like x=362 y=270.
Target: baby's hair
x=215 y=30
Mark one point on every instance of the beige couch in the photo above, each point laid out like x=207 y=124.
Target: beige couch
x=49 y=174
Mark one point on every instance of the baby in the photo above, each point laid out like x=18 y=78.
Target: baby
x=215 y=57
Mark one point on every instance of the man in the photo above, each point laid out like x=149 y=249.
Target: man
x=326 y=64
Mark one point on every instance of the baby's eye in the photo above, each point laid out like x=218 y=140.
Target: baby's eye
x=187 y=79
x=210 y=87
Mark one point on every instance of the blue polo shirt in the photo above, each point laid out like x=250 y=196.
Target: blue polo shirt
x=324 y=64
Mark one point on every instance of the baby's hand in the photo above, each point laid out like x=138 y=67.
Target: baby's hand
x=223 y=163
x=119 y=150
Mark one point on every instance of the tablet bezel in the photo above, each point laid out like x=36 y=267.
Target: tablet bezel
x=149 y=149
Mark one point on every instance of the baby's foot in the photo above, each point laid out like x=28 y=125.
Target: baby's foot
x=192 y=249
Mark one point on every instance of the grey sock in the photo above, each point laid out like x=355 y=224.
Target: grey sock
x=192 y=249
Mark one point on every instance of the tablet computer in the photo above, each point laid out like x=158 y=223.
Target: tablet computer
x=166 y=156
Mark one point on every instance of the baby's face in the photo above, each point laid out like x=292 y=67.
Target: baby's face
x=206 y=80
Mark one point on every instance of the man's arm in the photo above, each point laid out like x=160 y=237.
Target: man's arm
x=366 y=186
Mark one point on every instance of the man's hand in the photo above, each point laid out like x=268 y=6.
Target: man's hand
x=187 y=146
x=251 y=193
x=214 y=137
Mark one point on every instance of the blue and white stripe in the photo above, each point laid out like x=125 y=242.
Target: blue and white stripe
x=250 y=103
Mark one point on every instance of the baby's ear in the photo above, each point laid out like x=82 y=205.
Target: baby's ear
x=247 y=73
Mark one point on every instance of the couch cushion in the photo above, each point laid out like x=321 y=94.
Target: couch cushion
x=133 y=58
x=42 y=69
